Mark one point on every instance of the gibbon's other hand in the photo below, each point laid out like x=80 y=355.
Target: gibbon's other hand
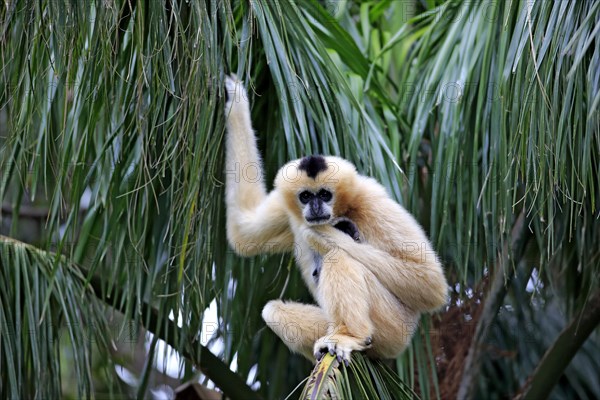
x=237 y=98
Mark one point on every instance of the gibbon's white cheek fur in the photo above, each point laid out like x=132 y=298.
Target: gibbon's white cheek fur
x=365 y=259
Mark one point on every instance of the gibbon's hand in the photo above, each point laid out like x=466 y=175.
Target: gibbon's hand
x=237 y=98
x=315 y=240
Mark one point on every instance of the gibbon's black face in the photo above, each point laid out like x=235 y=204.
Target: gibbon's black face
x=316 y=205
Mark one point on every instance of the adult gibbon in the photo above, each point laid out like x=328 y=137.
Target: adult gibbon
x=365 y=259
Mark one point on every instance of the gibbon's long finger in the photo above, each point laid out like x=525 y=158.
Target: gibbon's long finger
x=348 y=227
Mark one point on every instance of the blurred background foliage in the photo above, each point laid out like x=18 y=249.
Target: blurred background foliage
x=480 y=117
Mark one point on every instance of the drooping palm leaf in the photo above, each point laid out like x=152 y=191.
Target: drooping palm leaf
x=44 y=299
x=502 y=102
x=361 y=379
x=120 y=104
x=111 y=125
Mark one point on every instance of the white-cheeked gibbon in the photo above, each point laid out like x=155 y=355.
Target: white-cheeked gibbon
x=364 y=258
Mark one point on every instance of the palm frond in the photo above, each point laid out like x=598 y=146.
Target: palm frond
x=44 y=299
x=361 y=379
x=494 y=128
x=501 y=99
x=110 y=155
x=116 y=129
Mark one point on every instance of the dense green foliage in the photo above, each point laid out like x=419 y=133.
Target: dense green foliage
x=472 y=114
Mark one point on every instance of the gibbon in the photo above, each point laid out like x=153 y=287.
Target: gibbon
x=364 y=258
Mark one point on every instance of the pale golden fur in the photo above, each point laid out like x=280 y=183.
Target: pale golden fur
x=375 y=289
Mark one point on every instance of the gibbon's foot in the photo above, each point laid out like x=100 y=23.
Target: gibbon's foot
x=341 y=346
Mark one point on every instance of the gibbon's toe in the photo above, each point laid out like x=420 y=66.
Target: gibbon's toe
x=340 y=346
x=319 y=354
x=321 y=349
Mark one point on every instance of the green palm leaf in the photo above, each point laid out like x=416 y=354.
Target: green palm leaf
x=362 y=379
x=43 y=299
x=111 y=132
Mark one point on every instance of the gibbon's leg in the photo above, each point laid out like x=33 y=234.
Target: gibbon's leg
x=345 y=297
x=298 y=325
x=256 y=222
x=418 y=282
x=394 y=324
x=414 y=275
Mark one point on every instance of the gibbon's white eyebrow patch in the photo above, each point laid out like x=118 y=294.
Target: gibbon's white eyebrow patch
x=313 y=165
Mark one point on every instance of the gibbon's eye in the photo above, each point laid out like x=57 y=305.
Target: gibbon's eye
x=324 y=195
x=305 y=197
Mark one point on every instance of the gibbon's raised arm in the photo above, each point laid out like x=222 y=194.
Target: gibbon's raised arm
x=256 y=221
